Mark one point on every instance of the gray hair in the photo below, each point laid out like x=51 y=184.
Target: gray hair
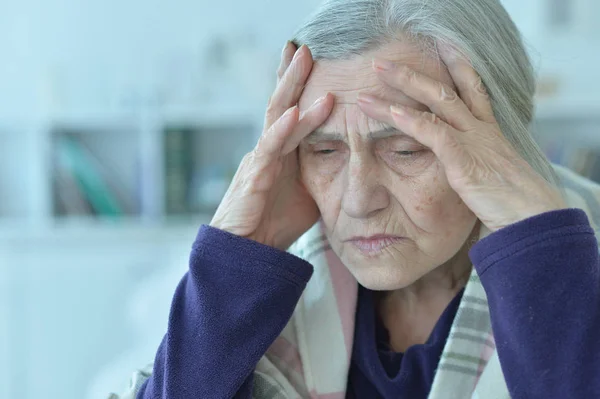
x=481 y=30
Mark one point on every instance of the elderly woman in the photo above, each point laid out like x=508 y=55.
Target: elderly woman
x=445 y=259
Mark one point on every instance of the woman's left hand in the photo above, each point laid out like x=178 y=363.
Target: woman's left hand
x=493 y=180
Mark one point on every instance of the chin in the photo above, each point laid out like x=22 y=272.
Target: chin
x=379 y=275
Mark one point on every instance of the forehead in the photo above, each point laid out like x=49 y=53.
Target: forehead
x=346 y=79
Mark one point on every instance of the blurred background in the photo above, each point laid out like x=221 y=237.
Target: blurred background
x=121 y=125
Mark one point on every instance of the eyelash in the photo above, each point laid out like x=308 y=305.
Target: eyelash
x=403 y=154
x=325 y=152
x=407 y=154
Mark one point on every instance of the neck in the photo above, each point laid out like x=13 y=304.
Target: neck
x=410 y=313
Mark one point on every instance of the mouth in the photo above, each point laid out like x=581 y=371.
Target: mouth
x=373 y=245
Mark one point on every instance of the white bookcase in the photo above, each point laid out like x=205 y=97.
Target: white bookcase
x=130 y=144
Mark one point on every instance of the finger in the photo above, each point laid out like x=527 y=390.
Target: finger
x=469 y=84
x=428 y=129
x=375 y=108
x=287 y=54
x=290 y=86
x=309 y=120
x=438 y=96
x=271 y=142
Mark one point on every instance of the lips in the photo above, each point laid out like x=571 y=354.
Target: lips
x=373 y=245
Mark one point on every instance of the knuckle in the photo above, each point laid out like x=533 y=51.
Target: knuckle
x=447 y=94
x=444 y=139
x=247 y=159
x=411 y=76
x=435 y=120
x=406 y=75
x=271 y=112
x=480 y=87
x=424 y=120
x=256 y=158
x=259 y=145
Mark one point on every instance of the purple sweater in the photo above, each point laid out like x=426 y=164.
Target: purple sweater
x=541 y=276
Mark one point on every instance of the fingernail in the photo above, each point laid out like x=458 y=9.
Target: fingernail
x=298 y=53
x=321 y=100
x=448 y=95
x=480 y=87
x=366 y=98
x=289 y=112
x=398 y=111
x=383 y=65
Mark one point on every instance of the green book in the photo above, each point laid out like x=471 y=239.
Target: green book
x=178 y=147
x=89 y=180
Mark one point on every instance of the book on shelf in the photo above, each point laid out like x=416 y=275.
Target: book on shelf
x=84 y=184
x=199 y=166
x=584 y=161
x=178 y=163
x=68 y=199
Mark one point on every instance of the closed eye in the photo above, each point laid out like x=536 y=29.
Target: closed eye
x=407 y=153
x=325 y=152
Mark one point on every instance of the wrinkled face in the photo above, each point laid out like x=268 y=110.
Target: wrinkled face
x=389 y=212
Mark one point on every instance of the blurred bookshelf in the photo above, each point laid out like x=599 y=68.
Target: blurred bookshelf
x=567 y=120
x=200 y=162
x=95 y=172
x=87 y=170
x=570 y=136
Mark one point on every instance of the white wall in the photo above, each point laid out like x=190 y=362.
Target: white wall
x=566 y=54
x=67 y=299
x=65 y=54
x=71 y=53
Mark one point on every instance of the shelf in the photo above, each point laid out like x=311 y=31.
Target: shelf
x=89 y=228
x=95 y=173
x=93 y=120
x=565 y=108
x=199 y=162
x=570 y=132
x=201 y=114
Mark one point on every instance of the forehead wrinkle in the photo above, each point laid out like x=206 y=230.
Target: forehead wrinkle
x=335 y=129
x=387 y=93
x=386 y=131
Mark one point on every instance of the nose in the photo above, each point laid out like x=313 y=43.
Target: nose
x=363 y=196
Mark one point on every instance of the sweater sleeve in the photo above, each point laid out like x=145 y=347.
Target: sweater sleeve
x=230 y=306
x=542 y=279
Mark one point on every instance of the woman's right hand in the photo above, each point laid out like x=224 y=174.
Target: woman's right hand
x=267 y=201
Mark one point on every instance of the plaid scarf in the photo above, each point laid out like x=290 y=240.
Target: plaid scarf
x=311 y=358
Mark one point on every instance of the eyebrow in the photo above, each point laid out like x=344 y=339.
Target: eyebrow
x=320 y=135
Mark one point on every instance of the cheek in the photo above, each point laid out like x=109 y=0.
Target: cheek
x=409 y=167
x=320 y=181
x=433 y=206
